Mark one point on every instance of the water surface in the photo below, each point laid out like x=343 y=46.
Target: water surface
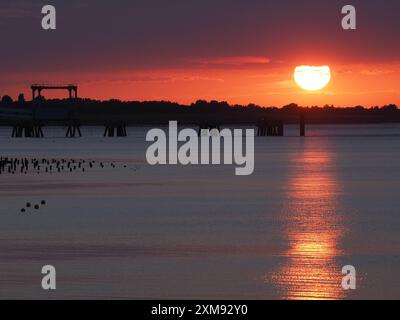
x=312 y=206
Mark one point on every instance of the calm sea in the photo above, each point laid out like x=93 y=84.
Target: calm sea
x=125 y=229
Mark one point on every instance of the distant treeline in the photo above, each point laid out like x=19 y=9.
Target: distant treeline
x=150 y=112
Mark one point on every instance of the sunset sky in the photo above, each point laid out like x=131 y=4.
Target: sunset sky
x=240 y=51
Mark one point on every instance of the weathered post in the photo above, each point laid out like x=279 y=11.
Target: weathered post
x=302 y=126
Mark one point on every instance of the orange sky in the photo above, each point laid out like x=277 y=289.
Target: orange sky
x=261 y=82
x=241 y=51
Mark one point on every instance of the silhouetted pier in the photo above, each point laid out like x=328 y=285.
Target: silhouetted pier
x=29 y=123
x=34 y=128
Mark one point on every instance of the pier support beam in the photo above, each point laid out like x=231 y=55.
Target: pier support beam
x=270 y=128
x=209 y=126
x=115 y=131
x=27 y=131
x=73 y=131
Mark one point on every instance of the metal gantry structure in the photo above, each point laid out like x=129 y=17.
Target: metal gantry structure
x=38 y=88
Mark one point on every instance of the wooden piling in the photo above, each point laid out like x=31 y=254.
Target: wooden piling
x=115 y=130
x=302 y=126
x=27 y=131
x=73 y=131
x=270 y=128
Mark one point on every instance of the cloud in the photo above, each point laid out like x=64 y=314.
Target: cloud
x=15 y=13
x=17 y=9
x=162 y=78
x=376 y=72
x=285 y=84
x=234 y=61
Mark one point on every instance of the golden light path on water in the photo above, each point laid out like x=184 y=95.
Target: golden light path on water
x=313 y=228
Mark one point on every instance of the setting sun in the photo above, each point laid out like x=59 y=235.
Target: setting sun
x=312 y=78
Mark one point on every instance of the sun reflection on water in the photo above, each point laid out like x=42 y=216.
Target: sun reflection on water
x=312 y=228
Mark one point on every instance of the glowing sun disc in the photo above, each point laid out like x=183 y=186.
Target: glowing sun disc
x=312 y=78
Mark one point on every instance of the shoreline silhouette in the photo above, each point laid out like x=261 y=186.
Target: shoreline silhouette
x=93 y=112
